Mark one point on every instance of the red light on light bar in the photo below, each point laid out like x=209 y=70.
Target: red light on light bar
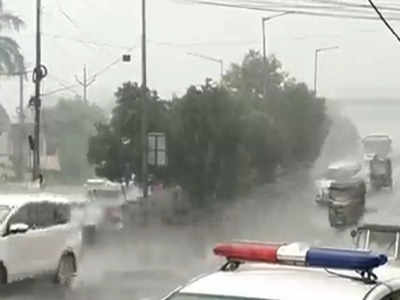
x=249 y=252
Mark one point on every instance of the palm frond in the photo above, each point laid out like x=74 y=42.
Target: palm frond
x=11 y=59
x=10 y=21
x=7 y=65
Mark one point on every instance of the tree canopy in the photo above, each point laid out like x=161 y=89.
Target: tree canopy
x=11 y=59
x=68 y=126
x=221 y=138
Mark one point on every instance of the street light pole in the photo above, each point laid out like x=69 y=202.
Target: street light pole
x=39 y=73
x=85 y=83
x=317 y=51
x=264 y=46
x=213 y=59
x=144 y=108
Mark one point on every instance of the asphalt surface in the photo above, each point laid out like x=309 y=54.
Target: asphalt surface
x=146 y=262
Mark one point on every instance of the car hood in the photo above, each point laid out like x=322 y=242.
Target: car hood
x=323 y=183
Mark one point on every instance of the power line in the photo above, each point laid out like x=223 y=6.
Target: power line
x=85 y=42
x=63 y=89
x=66 y=15
x=64 y=85
x=309 y=12
x=322 y=4
x=103 y=70
x=384 y=20
x=209 y=43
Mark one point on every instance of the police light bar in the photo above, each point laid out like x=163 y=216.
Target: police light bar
x=298 y=253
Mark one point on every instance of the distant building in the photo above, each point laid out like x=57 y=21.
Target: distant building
x=14 y=141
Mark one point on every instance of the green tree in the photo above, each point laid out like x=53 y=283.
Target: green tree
x=11 y=59
x=204 y=142
x=222 y=139
x=68 y=126
x=4 y=120
x=294 y=120
x=116 y=148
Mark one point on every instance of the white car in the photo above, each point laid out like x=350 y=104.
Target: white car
x=106 y=200
x=37 y=238
x=255 y=271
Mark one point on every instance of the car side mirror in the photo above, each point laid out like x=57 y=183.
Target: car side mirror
x=18 y=228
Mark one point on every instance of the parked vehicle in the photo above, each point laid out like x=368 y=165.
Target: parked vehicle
x=337 y=172
x=347 y=202
x=378 y=237
x=38 y=238
x=380 y=172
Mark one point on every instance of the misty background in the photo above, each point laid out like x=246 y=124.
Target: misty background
x=97 y=33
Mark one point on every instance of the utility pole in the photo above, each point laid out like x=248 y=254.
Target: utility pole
x=39 y=73
x=144 y=102
x=317 y=51
x=264 y=39
x=85 y=83
x=21 y=119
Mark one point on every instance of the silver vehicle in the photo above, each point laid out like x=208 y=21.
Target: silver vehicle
x=340 y=173
x=104 y=208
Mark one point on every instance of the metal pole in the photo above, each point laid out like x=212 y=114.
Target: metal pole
x=264 y=57
x=222 y=69
x=85 y=85
x=37 y=101
x=21 y=160
x=264 y=41
x=144 y=108
x=209 y=58
x=315 y=70
x=317 y=51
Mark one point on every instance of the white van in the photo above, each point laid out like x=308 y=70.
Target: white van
x=37 y=238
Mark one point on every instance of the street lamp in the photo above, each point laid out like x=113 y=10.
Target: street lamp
x=263 y=21
x=209 y=58
x=317 y=51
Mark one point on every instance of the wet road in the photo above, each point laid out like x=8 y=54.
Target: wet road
x=147 y=262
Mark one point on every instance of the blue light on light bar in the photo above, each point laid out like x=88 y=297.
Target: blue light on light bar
x=344 y=259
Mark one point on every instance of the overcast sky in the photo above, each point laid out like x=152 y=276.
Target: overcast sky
x=365 y=66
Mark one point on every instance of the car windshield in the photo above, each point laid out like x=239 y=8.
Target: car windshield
x=340 y=194
x=379 y=146
x=338 y=174
x=4 y=211
x=183 y=296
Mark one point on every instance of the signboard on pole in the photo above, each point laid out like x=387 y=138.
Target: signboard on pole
x=157 y=149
